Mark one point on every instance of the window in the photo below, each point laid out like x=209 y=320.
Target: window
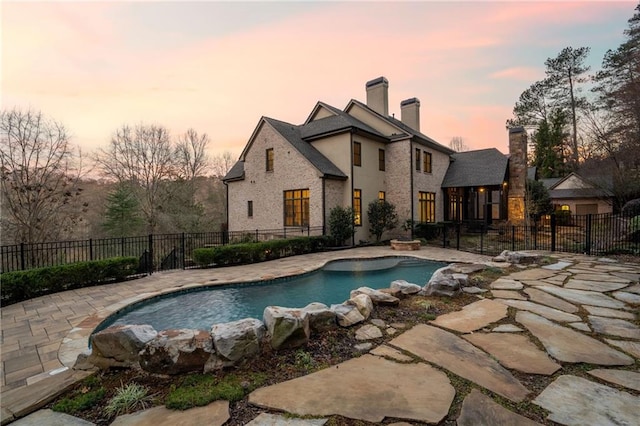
x=357 y=207
x=381 y=196
x=427 y=206
x=250 y=208
x=418 y=159
x=381 y=160
x=357 y=154
x=296 y=207
x=270 y=159
x=426 y=162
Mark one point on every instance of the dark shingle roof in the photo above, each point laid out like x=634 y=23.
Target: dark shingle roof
x=292 y=134
x=476 y=168
x=327 y=125
x=236 y=172
x=408 y=131
x=579 y=193
x=549 y=182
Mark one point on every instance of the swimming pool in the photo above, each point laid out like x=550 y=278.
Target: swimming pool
x=202 y=307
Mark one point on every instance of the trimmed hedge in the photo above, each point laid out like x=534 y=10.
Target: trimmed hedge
x=22 y=285
x=239 y=254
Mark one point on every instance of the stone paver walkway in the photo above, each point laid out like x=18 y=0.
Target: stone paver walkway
x=579 y=311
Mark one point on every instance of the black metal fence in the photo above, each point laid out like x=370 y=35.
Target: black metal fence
x=590 y=234
x=156 y=251
x=601 y=234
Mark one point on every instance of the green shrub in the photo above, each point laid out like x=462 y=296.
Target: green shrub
x=563 y=217
x=631 y=208
x=80 y=402
x=341 y=224
x=21 y=285
x=428 y=231
x=238 y=254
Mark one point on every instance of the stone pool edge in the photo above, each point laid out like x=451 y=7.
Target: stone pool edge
x=75 y=342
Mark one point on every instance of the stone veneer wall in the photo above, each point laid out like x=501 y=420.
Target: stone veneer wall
x=397 y=179
x=517 y=174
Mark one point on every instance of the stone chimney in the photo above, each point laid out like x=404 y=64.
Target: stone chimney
x=410 y=113
x=517 y=174
x=378 y=95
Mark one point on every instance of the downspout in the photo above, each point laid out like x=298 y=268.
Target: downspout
x=324 y=206
x=411 y=185
x=353 y=237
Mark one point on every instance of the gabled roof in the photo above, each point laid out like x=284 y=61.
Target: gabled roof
x=592 y=190
x=483 y=167
x=340 y=121
x=404 y=130
x=292 y=133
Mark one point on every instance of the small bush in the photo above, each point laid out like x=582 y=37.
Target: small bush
x=128 y=398
x=563 y=217
x=22 y=285
x=428 y=231
x=341 y=224
x=239 y=254
x=631 y=208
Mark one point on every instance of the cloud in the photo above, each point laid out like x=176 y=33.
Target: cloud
x=529 y=74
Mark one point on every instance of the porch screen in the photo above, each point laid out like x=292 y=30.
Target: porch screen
x=296 y=207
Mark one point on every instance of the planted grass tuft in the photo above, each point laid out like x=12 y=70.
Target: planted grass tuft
x=128 y=398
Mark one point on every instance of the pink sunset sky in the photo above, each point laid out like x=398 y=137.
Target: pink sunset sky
x=218 y=67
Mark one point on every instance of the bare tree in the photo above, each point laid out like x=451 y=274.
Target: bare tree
x=191 y=154
x=457 y=144
x=222 y=163
x=39 y=180
x=143 y=158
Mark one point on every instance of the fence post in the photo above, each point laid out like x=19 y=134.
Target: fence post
x=184 y=257
x=90 y=248
x=535 y=235
x=150 y=264
x=587 y=242
x=308 y=230
x=458 y=236
x=482 y=239
x=22 y=262
x=513 y=238
x=553 y=232
x=122 y=252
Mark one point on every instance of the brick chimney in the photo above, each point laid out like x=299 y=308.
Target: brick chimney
x=410 y=113
x=378 y=95
x=517 y=174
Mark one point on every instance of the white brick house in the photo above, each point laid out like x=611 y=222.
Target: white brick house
x=293 y=175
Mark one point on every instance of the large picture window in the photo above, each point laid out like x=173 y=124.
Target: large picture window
x=426 y=162
x=296 y=207
x=427 y=206
x=269 y=157
x=357 y=207
x=357 y=154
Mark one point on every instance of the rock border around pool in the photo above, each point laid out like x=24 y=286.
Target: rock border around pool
x=178 y=351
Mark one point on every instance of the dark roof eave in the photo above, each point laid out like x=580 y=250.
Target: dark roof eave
x=334 y=177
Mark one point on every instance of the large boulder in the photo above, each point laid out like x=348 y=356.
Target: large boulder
x=237 y=340
x=377 y=297
x=120 y=343
x=405 y=287
x=363 y=303
x=178 y=351
x=347 y=315
x=445 y=282
x=288 y=328
x=321 y=318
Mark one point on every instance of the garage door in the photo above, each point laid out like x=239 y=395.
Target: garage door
x=586 y=209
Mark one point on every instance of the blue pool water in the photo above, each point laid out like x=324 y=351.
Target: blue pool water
x=201 y=308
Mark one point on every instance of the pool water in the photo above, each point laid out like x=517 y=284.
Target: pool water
x=201 y=308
